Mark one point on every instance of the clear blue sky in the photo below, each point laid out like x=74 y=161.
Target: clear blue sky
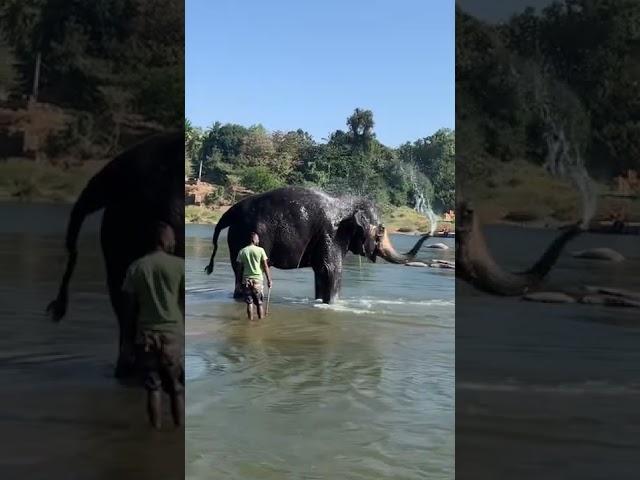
x=300 y=64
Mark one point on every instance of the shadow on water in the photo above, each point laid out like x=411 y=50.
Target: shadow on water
x=360 y=389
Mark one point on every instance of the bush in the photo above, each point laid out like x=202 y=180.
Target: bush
x=260 y=179
x=214 y=197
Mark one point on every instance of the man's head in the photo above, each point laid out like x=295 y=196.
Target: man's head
x=254 y=239
x=164 y=237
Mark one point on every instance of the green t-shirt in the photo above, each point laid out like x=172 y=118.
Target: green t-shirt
x=157 y=282
x=251 y=258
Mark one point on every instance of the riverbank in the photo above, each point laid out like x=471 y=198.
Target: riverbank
x=523 y=194
x=26 y=180
x=396 y=219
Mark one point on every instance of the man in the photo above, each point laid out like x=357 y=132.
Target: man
x=252 y=262
x=154 y=288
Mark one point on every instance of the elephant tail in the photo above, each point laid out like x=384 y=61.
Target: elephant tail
x=92 y=199
x=224 y=222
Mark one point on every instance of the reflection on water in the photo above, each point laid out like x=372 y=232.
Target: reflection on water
x=363 y=389
x=64 y=413
x=542 y=386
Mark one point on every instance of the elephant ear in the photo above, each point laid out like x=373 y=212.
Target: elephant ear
x=362 y=242
x=361 y=220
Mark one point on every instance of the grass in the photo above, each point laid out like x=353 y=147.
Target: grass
x=30 y=181
x=404 y=219
x=522 y=192
x=396 y=219
x=201 y=215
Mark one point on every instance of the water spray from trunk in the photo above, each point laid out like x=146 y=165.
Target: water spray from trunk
x=566 y=162
x=423 y=207
x=564 y=159
x=422 y=204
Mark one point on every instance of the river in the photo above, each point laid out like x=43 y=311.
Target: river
x=549 y=387
x=363 y=389
x=62 y=413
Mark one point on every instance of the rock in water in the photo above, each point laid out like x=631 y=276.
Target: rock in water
x=439 y=246
x=442 y=265
x=416 y=264
x=602 y=253
x=615 y=292
x=549 y=297
x=609 y=301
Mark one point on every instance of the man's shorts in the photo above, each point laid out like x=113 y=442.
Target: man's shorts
x=252 y=292
x=162 y=358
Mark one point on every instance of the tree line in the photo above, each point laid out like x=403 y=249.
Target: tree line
x=350 y=161
x=117 y=62
x=579 y=58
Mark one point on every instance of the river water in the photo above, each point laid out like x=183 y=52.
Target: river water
x=549 y=387
x=62 y=413
x=363 y=389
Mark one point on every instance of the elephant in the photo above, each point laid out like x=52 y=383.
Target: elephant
x=302 y=227
x=138 y=188
x=475 y=265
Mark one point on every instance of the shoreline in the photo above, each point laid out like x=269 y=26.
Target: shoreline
x=541 y=224
x=399 y=220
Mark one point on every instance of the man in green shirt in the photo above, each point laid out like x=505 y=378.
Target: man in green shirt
x=252 y=262
x=154 y=288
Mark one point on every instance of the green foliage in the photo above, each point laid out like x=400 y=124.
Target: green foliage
x=506 y=74
x=352 y=162
x=260 y=179
x=434 y=158
x=9 y=80
x=115 y=57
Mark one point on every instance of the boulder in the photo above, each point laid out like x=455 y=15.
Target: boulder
x=549 y=297
x=438 y=246
x=602 y=253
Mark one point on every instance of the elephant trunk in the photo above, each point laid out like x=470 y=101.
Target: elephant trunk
x=388 y=252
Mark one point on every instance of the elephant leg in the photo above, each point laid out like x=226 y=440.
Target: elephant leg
x=119 y=253
x=235 y=240
x=125 y=363
x=237 y=290
x=328 y=279
x=318 y=284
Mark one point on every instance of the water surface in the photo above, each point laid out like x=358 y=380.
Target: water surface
x=62 y=414
x=363 y=389
x=549 y=386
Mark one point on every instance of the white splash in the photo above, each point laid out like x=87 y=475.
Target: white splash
x=565 y=163
x=423 y=207
x=422 y=204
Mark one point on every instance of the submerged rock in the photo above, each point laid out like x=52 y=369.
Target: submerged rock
x=602 y=253
x=439 y=246
x=616 y=292
x=433 y=264
x=549 y=297
x=415 y=264
x=609 y=300
x=441 y=265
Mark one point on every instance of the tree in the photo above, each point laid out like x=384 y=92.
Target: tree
x=260 y=179
x=192 y=146
x=360 y=125
x=8 y=73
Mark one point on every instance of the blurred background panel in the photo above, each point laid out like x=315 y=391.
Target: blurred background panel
x=81 y=83
x=547 y=161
